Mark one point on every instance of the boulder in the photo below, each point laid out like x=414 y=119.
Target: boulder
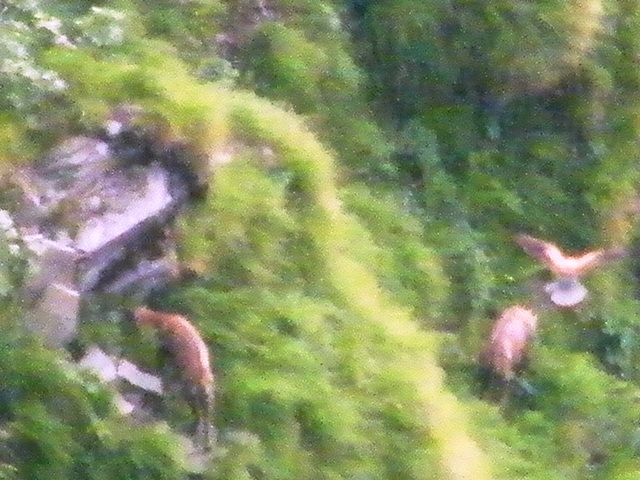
x=89 y=213
x=55 y=315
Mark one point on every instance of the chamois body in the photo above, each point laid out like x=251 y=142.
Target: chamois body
x=507 y=348
x=191 y=356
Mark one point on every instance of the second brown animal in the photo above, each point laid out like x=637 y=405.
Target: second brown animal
x=191 y=357
x=506 y=352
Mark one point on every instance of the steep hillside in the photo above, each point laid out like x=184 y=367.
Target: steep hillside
x=368 y=164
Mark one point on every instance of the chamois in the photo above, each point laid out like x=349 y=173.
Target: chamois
x=191 y=358
x=506 y=352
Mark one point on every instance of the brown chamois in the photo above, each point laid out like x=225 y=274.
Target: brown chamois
x=506 y=352
x=567 y=291
x=191 y=357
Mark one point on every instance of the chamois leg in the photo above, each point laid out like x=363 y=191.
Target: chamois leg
x=505 y=393
x=494 y=387
x=201 y=401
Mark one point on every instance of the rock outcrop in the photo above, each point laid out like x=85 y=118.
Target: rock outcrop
x=95 y=215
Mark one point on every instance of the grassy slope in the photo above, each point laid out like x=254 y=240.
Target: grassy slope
x=323 y=294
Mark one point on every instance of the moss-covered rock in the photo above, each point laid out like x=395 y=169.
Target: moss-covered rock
x=368 y=163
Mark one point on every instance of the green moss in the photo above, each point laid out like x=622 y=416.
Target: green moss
x=61 y=425
x=320 y=295
x=344 y=281
x=406 y=266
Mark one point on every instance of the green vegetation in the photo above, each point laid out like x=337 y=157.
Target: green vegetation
x=383 y=153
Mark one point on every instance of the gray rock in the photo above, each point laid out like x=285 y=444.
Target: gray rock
x=146 y=276
x=131 y=373
x=83 y=197
x=55 y=315
x=92 y=216
x=123 y=405
x=53 y=263
x=98 y=362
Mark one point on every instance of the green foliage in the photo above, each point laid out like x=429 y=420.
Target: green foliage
x=320 y=337
x=577 y=418
x=192 y=30
x=304 y=63
x=58 y=424
x=407 y=267
x=431 y=52
x=321 y=295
